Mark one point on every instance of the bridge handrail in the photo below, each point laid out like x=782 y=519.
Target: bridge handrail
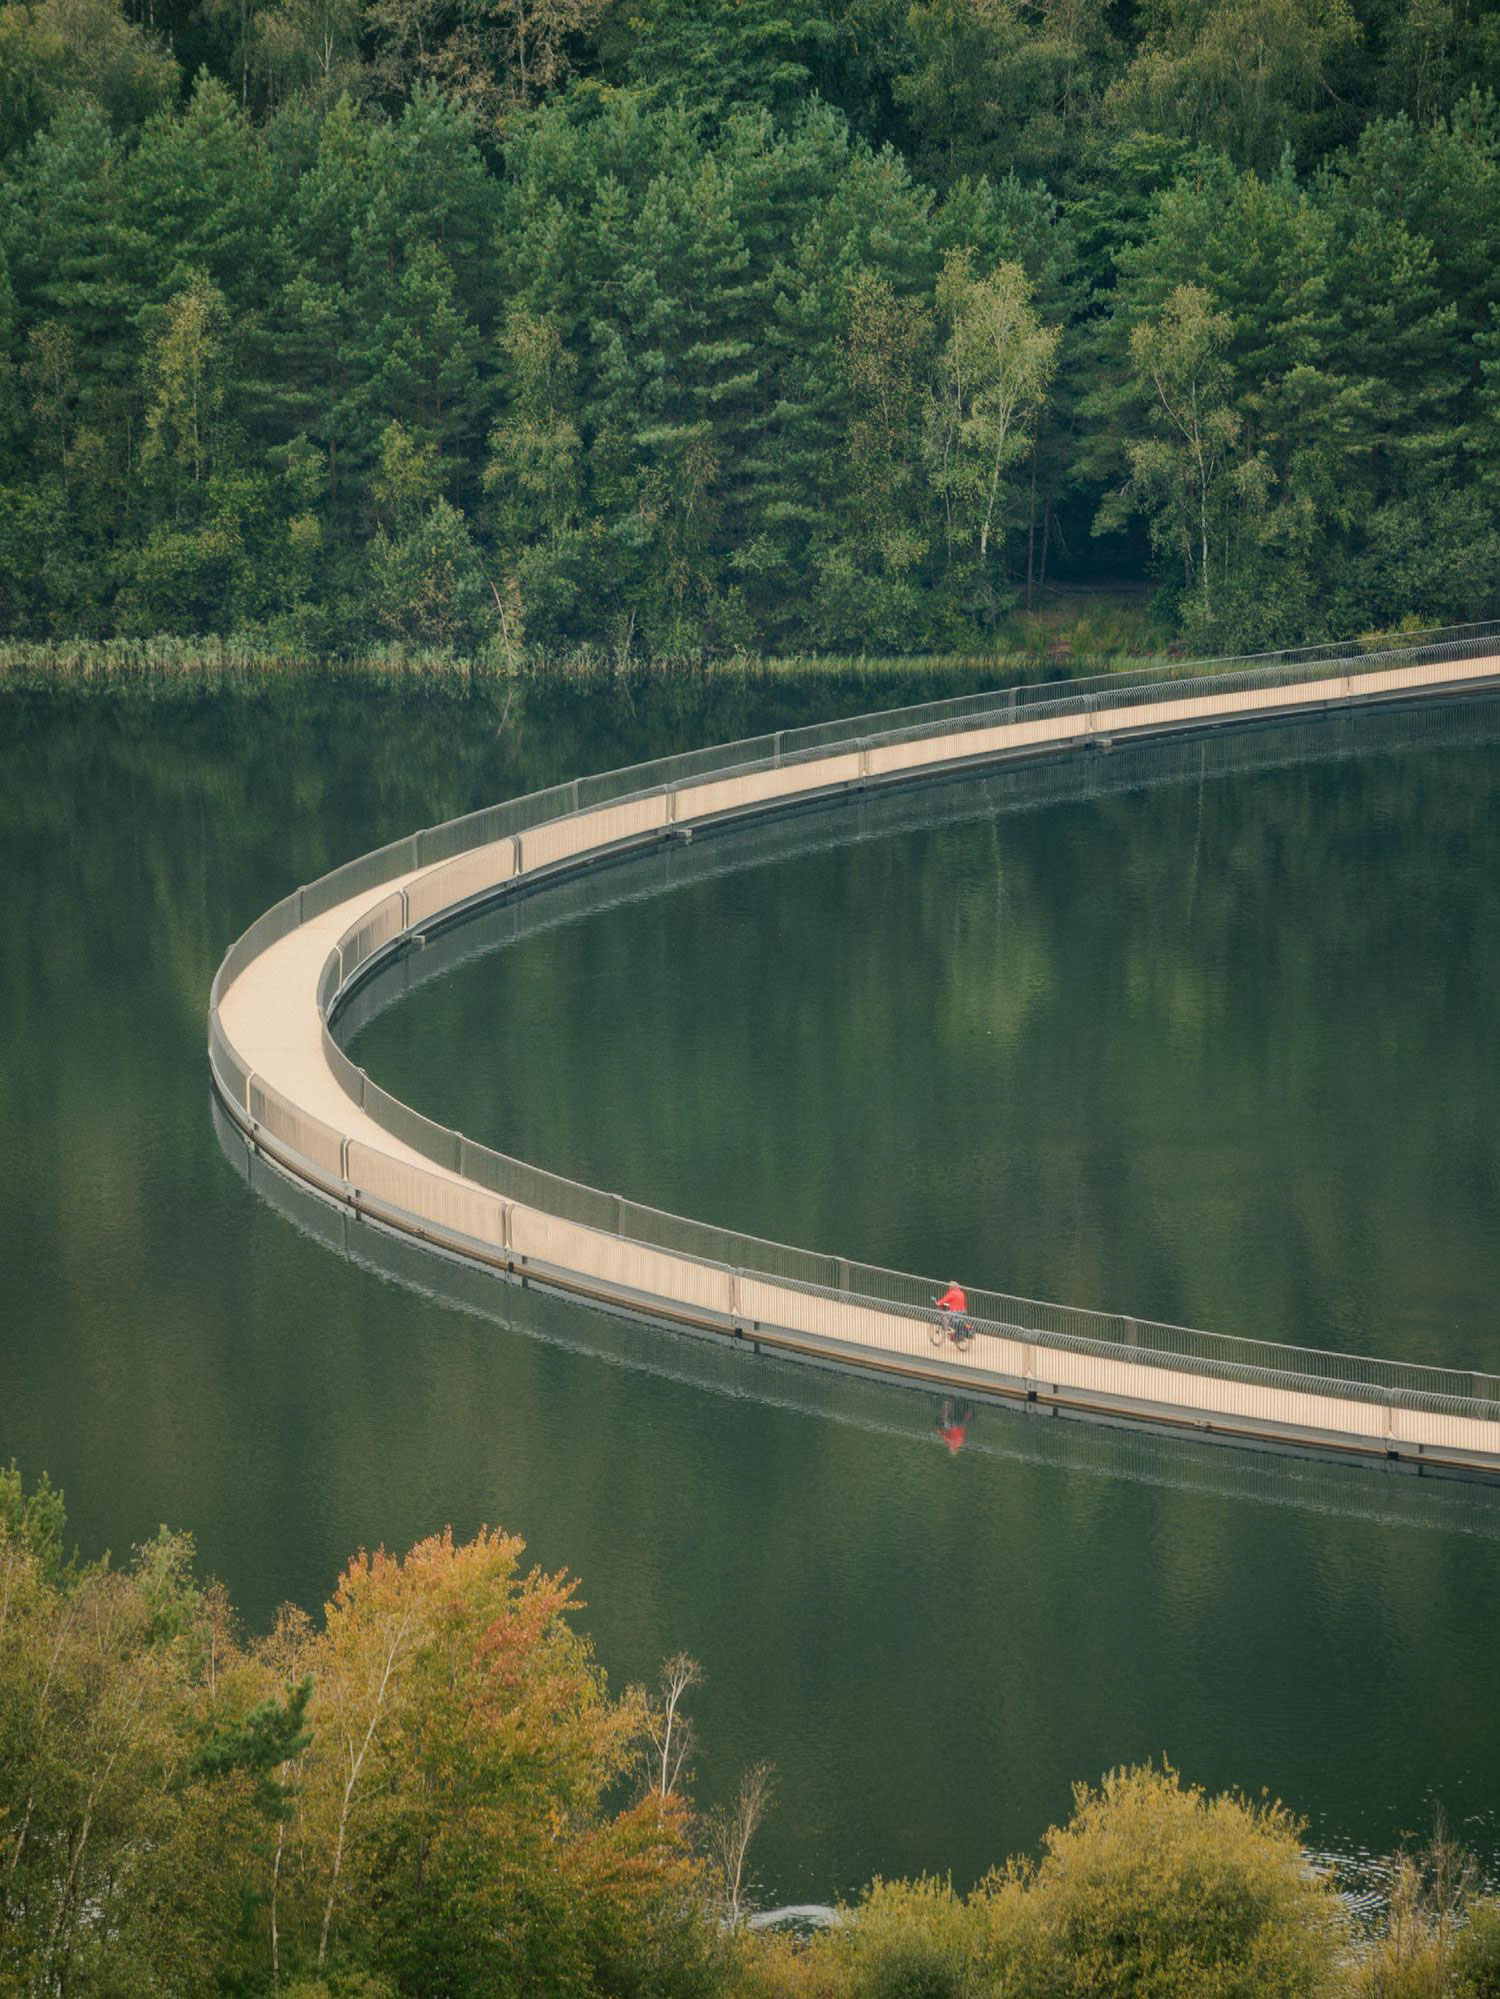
x=1048 y=1325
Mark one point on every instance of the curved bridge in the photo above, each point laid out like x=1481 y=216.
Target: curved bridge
x=309 y=1110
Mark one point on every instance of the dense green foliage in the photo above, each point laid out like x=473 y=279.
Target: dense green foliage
x=431 y=1790
x=410 y=1797
x=702 y=324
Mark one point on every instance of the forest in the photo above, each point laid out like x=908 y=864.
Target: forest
x=684 y=327
x=431 y=1789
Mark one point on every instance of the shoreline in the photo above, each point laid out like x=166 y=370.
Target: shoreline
x=152 y=666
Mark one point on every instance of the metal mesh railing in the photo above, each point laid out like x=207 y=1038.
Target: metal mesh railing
x=639 y=801
x=502 y=1203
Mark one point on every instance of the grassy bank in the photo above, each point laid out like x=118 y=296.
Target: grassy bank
x=180 y=665
x=1073 y=635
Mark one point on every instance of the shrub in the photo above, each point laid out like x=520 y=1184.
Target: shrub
x=1476 y=1955
x=1154 y=1888
x=916 y=1940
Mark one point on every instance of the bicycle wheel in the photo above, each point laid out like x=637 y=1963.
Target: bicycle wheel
x=963 y=1335
x=937 y=1332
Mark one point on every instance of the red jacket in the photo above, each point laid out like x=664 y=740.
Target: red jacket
x=953 y=1299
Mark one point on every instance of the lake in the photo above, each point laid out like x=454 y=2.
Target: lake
x=1205 y=1036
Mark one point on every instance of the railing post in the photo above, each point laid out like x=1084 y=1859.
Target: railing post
x=843 y=1266
x=776 y=745
x=458 y=1154
x=520 y=864
x=344 y=1160
x=507 y=1208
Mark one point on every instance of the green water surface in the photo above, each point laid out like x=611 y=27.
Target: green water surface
x=1218 y=1051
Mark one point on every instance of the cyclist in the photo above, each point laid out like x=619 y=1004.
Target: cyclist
x=953 y=1300
x=952 y=1307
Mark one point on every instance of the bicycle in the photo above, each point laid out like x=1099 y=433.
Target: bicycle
x=952 y=1326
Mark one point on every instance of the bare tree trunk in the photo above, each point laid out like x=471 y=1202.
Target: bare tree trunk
x=505 y=636
x=671 y=1732
x=734 y=1830
x=275 y=1892
x=91 y=1805
x=1202 y=504
x=41 y=1729
x=356 y=1764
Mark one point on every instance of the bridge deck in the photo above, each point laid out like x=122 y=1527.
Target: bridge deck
x=270 y=1016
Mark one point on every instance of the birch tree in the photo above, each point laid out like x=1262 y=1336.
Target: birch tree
x=372 y=1633
x=992 y=378
x=1179 y=470
x=669 y=1735
x=731 y=1832
x=184 y=377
